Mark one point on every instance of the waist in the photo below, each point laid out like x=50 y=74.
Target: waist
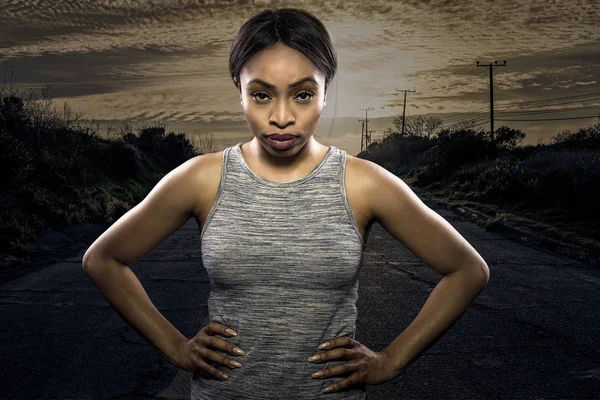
x=281 y=376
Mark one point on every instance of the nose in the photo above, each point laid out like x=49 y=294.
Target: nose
x=282 y=114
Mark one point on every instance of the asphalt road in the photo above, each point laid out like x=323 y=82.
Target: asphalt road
x=531 y=334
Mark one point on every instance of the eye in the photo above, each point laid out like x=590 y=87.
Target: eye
x=306 y=93
x=255 y=94
x=301 y=93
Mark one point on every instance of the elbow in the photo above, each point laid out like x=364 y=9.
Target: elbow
x=477 y=273
x=87 y=261
x=483 y=274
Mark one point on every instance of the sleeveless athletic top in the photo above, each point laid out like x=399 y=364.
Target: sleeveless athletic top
x=283 y=260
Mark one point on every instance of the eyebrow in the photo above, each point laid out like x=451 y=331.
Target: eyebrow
x=290 y=86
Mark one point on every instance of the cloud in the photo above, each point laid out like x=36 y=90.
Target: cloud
x=169 y=58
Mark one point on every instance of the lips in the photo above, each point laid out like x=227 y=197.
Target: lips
x=279 y=136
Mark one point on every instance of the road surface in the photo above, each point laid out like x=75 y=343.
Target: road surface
x=531 y=334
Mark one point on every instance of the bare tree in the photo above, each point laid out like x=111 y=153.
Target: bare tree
x=418 y=125
x=464 y=125
x=432 y=125
x=8 y=82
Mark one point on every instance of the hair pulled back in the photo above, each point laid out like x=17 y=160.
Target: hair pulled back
x=293 y=27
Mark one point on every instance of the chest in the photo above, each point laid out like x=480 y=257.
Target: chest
x=355 y=193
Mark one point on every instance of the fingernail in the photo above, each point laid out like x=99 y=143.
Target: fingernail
x=239 y=351
x=231 y=332
x=314 y=358
x=329 y=389
x=324 y=345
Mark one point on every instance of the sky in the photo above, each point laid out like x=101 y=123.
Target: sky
x=136 y=61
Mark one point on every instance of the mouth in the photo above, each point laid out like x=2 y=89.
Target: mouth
x=281 y=136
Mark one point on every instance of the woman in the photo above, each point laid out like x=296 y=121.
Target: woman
x=283 y=225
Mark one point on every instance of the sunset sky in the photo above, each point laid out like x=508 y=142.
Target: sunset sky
x=135 y=60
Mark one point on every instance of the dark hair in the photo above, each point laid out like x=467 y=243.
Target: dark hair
x=293 y=27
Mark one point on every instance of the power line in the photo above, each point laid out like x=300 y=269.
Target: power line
x=462 y=114
x=507 y=114
x=556 y=98
x=484 y=118
x=505 y=110
x=510 y=107
x=547 y=119
x=466 y=116
x=463 y=119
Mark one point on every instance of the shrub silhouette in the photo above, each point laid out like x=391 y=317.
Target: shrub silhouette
x=508 y=138
x=558 y=182
x=115 y=209
x=17 y=161
x=453 y=150
x=124 y=160
x=12 y=113
x=57 y=173
x=586 y=137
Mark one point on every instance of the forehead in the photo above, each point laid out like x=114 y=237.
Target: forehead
x=279 y=65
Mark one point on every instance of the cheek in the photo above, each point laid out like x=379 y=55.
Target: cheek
x=255 y=118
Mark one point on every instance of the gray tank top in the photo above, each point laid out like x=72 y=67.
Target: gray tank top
x=283 y=260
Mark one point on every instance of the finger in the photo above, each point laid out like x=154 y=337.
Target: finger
x=208 y=354
x=343 y=384
x=215 y=327
x=335 y=354
x=345 y=341
x=210 y=370
x=221 y=344
x=328 y=344
x=342 y=369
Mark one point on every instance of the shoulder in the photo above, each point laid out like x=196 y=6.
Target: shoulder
x=203 y=173
x=368 y=173
x=201 y=167
x=377 y=185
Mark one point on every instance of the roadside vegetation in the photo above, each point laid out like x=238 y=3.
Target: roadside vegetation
x=552 y=189
x=59 y=170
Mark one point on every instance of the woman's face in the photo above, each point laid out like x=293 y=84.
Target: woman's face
x=281 y=108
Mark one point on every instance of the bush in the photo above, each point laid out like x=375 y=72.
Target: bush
x=115 y=209
x=17 y=161
x=585 y=138
x=124 y=160
x=495 y=179
x=453 y=150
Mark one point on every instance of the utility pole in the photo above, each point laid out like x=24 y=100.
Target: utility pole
x=491 y=66
x=367 y=136
x=404 y=108
x=362 y=135
x=370 y=132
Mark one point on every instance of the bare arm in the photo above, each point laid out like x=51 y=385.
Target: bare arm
x=431 y=238
x=124 y=292
x=164 y=210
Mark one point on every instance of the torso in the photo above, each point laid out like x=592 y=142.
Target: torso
x=354 y=180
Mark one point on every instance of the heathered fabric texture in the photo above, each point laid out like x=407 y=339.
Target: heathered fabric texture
x=283 y=260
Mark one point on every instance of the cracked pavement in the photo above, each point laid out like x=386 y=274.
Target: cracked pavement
x=532 y=333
